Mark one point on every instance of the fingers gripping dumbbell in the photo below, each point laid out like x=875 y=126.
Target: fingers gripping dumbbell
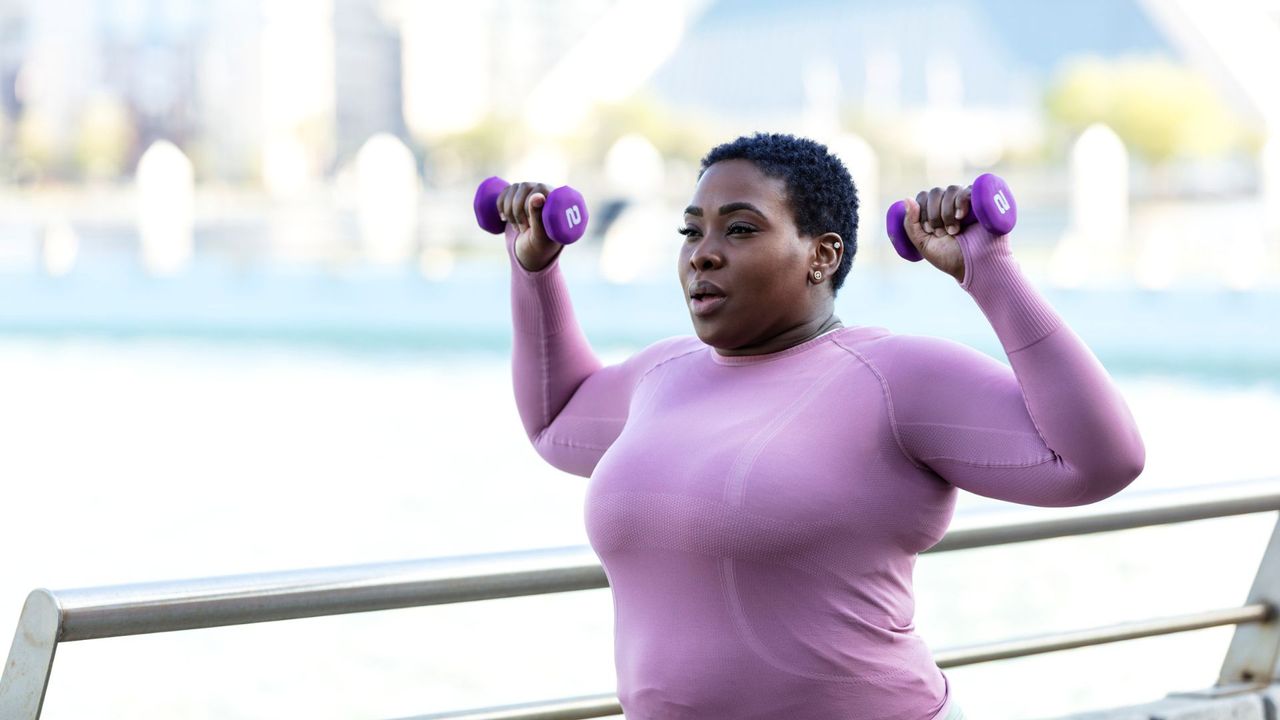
x=564 y=216
x=992 y=206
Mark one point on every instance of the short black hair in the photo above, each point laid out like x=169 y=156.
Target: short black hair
x=820 y=190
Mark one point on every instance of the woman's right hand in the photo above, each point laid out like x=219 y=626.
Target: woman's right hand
x=520 y=205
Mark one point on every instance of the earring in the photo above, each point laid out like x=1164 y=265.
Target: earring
x=836 y=244
x=817 y=276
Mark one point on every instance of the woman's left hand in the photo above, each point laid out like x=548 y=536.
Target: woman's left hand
x=933 y=221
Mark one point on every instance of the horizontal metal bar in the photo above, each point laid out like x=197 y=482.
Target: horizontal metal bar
x=1098 y=636
x=595 y=706
x=215 y=602
x=575 y=708
x=1141 y=510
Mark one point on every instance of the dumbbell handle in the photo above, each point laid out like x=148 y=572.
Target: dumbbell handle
x=992 y=205
x=564 y=215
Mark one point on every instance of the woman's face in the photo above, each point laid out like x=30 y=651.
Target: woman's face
x=743 y=265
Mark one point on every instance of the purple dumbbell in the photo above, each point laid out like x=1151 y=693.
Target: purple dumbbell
x=564 y=216
x=992 y=205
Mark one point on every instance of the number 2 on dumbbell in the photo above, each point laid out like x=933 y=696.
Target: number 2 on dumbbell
x=564 y=216
x=992 y=205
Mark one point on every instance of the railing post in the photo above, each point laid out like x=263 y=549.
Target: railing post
x=1251 y=657
x=26 y=673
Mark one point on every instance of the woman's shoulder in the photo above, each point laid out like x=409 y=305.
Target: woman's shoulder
x=895 y=355
x=664 y=350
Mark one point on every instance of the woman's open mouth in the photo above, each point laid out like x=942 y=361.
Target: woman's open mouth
x=705 y=297
x=705 y=303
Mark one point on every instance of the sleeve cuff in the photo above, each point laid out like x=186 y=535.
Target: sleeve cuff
x=1017 y=311
x=540 y=301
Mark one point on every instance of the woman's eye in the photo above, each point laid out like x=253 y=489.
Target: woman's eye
x=738 y=228
x=688 y=232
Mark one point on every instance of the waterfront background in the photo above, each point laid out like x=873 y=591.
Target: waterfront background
x=247 y=323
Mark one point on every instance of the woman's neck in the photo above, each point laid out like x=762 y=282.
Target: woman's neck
x=789 y=338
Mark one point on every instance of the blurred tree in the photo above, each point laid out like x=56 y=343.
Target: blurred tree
x=484 y=148
x=106 y=138
x=676 y=137
x=37 y=144
x=495 y=142
x=1160 y=109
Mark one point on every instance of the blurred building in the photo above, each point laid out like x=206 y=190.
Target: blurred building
x=749 y=54
x=12 y=40
x=228 y=90
x=367 y=76
x=281 y=95
x=483 y=58
x=221 y=79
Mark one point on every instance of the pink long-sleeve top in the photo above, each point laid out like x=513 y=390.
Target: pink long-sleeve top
x=759 y=517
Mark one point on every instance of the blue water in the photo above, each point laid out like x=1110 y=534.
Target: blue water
x=1212 y=334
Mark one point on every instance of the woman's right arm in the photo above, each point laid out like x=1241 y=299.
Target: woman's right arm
x=572 y=407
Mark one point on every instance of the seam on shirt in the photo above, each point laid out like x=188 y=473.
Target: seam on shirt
x=735 y=488
x=888 y=400
x=546 y=402
x=1061 y=324
x=576 y=445
x=999 y=431
x=537 y=276
x=545 y=332
x=540 y=330
x=1035 y=422
x=989 y=464
x=658 y=382
x=542 y=365
x=664 y=361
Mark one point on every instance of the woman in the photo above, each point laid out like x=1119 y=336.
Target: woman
x=759 y=493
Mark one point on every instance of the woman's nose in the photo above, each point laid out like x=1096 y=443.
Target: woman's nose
x=705 y=257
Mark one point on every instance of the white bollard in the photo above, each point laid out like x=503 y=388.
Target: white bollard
x=166 y=208
x=634 y=167
x=941 y=139
x=59 y=247
x=640 y=244
x=388 y=190
x=542 y=161
x=1093 y=248
x=1270 y=161
x=1271 y=186
x=441 y=226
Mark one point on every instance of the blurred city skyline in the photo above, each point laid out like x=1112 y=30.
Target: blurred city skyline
x=353 y=131
x=88 y=85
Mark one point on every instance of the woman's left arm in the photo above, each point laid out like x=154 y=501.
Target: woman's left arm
x=1054 y=431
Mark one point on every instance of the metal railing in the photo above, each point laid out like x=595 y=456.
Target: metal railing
x=53 y=617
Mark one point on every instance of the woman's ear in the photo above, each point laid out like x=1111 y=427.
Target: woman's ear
x=827 y=251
